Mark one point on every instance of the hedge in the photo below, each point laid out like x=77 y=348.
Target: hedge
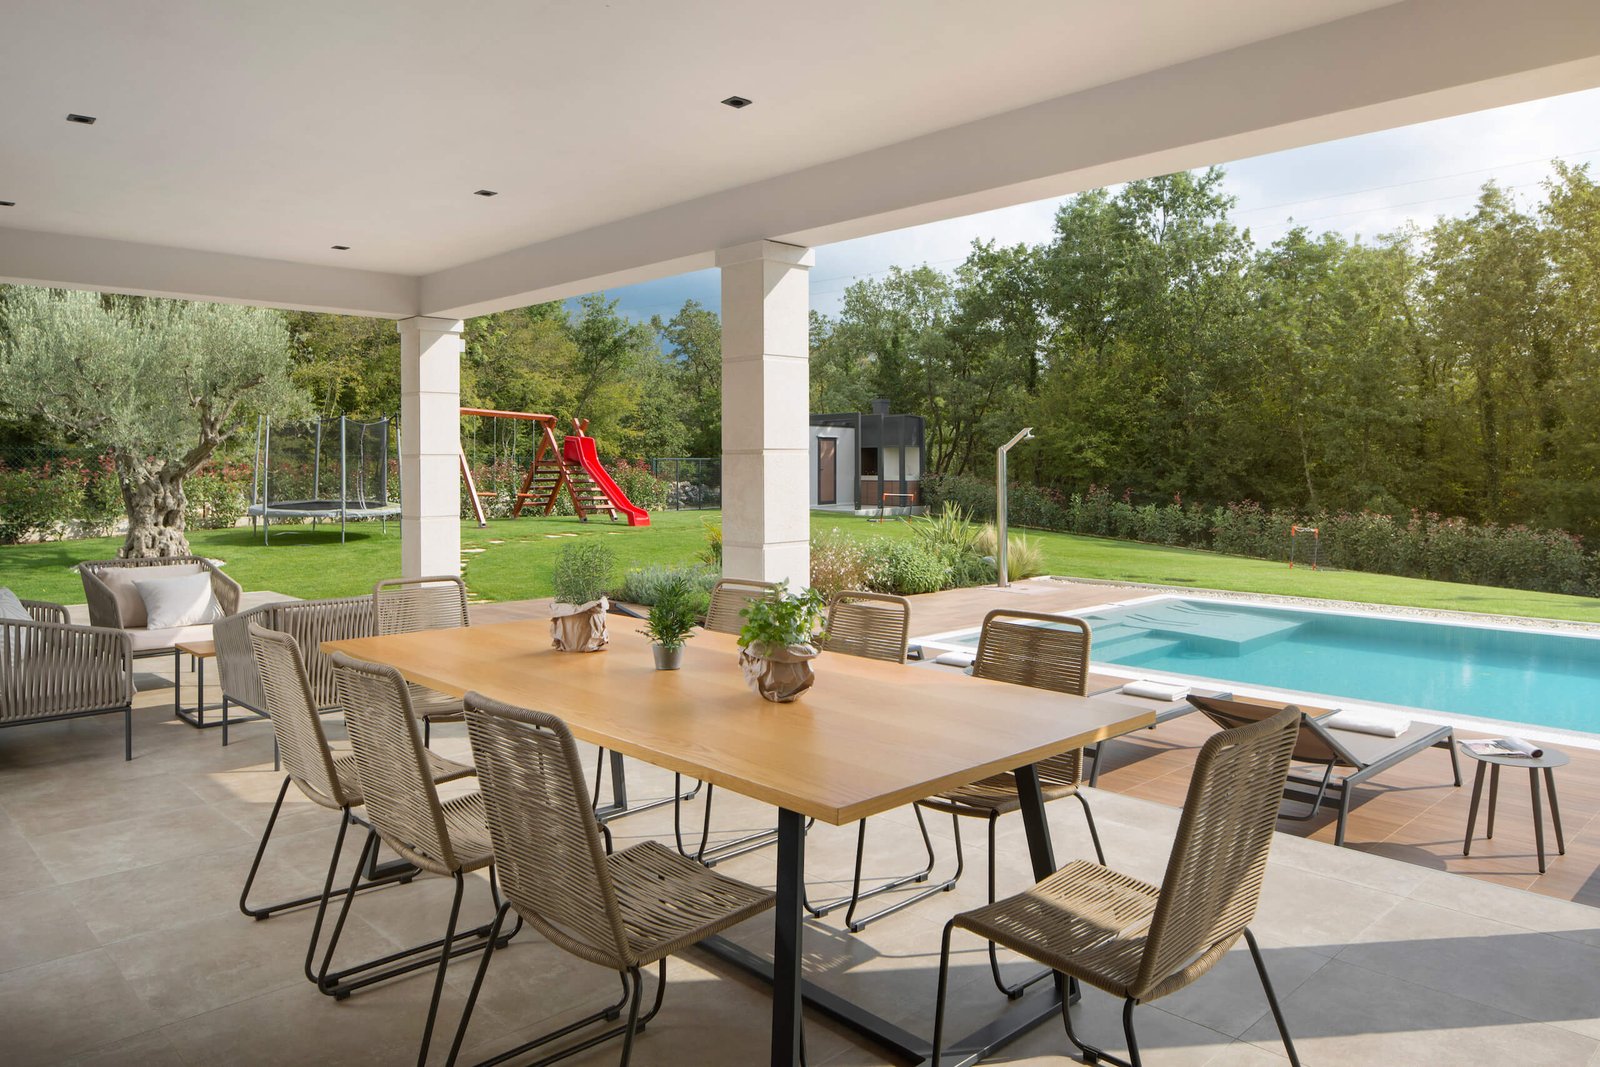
x=1418 y=545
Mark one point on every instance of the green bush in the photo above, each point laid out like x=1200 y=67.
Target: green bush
x=215 y=497
x=907 y=567
x=36 y=501
x=584 y=571
x=645 y=585
x=640 y=485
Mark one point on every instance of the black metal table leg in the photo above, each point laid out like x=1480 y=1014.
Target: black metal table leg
x=1555 y=810
x=1472 y=812
x=1538 y=816
x=788 y=924
x=1041 y=851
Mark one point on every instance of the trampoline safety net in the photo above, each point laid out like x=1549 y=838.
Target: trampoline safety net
x=331 y=468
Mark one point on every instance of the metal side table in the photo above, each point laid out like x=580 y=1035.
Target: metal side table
x=1548 y=762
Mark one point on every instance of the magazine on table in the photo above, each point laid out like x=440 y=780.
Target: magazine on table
x=1513 y=747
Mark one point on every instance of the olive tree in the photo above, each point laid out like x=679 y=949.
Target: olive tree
x=159 y=384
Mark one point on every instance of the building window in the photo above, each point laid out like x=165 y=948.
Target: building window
x=869 y=463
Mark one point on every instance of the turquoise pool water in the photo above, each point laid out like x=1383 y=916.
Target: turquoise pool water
x=1513 y=675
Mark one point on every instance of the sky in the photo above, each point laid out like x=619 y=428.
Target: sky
x=1360 y=186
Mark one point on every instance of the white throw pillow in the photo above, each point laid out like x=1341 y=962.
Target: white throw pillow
x=11 y=606
x=185 y=601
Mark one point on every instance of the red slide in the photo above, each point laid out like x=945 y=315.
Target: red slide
x=580 y=450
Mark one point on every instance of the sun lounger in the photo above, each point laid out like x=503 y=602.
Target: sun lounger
x=1101 y=685
x=1348 y=758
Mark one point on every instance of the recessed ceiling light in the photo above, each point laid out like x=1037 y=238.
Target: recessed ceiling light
x=341 y=248
x=485 y=192
x=8 y=203
x=85 y=120
x=737 y=102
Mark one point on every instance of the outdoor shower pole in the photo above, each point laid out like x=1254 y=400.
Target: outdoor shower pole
x=1000 y=505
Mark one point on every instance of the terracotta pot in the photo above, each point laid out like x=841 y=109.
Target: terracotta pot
x=667 y=659
x=778 y=674
x=579 y=627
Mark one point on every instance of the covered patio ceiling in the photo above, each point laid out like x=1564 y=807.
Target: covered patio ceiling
x=235 y=147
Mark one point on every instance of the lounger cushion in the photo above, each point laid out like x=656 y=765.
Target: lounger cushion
x=1369 y=749
x=955 y=659
x=154 y=640
x=181 y=601
x=130 y=605
x=1167 y=691
x=1367 y=721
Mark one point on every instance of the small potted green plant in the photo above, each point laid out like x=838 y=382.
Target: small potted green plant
x=582 y=578
x=782 y=634
x=671 y=622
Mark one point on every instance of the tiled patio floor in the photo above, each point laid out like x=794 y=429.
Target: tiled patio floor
x=121 y=943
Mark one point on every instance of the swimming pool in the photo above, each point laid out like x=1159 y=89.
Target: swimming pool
x=1539 y=678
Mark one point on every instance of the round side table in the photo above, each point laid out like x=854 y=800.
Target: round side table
x=1547 y=763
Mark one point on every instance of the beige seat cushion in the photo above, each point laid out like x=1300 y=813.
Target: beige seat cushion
x=152 y=640
x=130 y=605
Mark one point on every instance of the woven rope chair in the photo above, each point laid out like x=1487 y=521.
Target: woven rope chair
x=403 y=809
x=407 y=605
x=876 y=626
x=51 y=670
x=622 y=911
x=325 y=772
x=729 y=598
x=1141 y=942
x=1044 y=652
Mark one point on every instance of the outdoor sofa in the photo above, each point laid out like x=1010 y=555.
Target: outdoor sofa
x=50 y=669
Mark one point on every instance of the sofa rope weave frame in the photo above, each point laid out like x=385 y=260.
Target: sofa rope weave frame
x=44 y=611
x=302 y=744
x=1212 y=885
x=1015 y=646
x=729 y=597
x=102 y=602
x=549 y=857
x=870 y=625
x=402 y=802
x=49 y=670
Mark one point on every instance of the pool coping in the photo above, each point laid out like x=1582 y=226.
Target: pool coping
x=1476 y=620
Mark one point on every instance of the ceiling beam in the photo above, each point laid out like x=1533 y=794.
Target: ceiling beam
x=1409 y=62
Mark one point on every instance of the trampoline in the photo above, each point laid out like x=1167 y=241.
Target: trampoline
x=326 y=470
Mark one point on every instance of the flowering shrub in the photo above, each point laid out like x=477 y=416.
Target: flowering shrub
x=840 y=562
x=216 y=496
x=640 y=485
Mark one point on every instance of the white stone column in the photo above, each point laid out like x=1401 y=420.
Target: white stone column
x=766 y=304
x=430 y=442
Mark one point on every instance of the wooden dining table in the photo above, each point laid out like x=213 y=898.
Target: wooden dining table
x=868 y=737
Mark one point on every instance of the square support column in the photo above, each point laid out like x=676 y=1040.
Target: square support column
x=430 y=443
x=766 y=401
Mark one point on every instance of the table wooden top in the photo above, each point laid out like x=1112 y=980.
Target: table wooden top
x=202 y=649
x=868 y=736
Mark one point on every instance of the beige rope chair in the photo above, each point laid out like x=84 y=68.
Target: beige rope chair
x=1141 y=942
x=875 y=626
x=1045 y=652
x=729 y=598
x=622 y=911
x=52 y=670
x=404 y=811
x=406 y=605
x=325 y=772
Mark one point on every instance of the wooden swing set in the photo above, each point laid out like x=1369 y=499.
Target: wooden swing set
x=547 y=475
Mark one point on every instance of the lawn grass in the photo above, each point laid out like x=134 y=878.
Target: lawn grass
x=517 y=556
